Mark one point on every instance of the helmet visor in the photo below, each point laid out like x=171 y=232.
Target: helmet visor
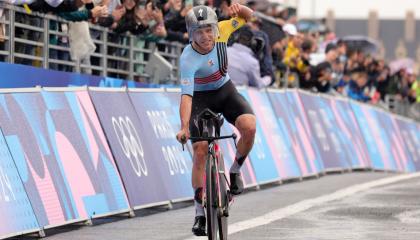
x=214 y=28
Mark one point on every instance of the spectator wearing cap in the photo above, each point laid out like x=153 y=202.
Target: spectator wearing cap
x=292 y=54
x=244 y=68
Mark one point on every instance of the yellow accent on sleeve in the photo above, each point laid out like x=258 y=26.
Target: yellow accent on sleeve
x=227 y=27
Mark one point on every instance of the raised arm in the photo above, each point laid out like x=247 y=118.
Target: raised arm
x=238 y=10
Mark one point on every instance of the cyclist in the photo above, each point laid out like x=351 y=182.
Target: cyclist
x=206 y=84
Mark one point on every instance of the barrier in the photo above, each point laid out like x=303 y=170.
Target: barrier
x=349 y=132
x=333 y=138
x=160 y=124
x=132 y=150
x=376 y=138
x=20 y=76
x=410 y=133
x=295 y=130
x=17 y=216
x=62 y=157
x=70 y=155
x=261 y=156
x=283 y=158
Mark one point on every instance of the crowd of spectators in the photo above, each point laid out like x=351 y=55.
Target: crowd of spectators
x=287 y=56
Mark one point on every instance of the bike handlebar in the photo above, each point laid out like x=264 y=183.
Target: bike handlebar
x=211 y=139
x=208 y=139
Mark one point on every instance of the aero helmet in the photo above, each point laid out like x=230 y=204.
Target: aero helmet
x=201 y=16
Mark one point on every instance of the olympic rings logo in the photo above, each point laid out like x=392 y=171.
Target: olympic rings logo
x=130 y=143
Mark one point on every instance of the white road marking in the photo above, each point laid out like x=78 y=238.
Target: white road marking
x=304 y=205
x=410 y=217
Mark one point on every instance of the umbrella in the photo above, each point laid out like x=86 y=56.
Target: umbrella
x=361 y=43
x=403 y=63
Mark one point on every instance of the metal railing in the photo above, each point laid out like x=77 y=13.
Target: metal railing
x=39 y=40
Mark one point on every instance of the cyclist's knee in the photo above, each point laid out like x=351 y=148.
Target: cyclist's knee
x=246 y=125
x=200 y=153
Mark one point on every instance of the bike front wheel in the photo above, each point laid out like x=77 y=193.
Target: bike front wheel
x=211 y=200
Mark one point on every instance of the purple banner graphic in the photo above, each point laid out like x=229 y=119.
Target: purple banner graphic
x=283 y=157
x=261 y=157
x=66 y=169
x=410 y=133
x=132 y=149
x=17 y=214
x=160 y=124
x=295 y=131
x=375 y=136
x=335 y=151
x=395 y=142
x=227 y=146
x=351 y=136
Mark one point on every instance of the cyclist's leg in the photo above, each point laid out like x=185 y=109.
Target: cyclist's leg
x=239 y=113
x=200 y=102
x=199 y=162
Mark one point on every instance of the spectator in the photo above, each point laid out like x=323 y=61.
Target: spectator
x=262 y=50
x=223 y=10
x=356 y=89
x=90 y=12
x=64 y=6
x=244 y=68
x=305 y=74
x=382 y=81
x=331 y=53
x=415 y=91
x=175 y=20
x=321 y=76
x=292 y=57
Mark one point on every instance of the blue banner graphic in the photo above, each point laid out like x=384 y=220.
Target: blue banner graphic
x=17 y=214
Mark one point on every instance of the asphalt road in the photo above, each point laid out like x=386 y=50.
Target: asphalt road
x=359 y=205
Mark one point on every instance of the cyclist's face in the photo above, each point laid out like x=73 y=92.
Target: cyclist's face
x=204 y=38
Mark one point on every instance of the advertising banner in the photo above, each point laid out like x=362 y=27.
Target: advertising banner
x=64 y=179
x=283 y=157
x=131 y=147
x=335 y=153
x=375 y=136
x=349 y=133
x=395 y=142
x=261 y=157
x=227 y=146
x=21 y=76
x=295 y=131
x=410 y=133
x=160 y=125
x=17 y=215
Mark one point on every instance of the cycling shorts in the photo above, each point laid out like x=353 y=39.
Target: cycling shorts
x=226 y=100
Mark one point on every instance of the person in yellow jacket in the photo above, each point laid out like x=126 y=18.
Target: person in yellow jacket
x=292 y=55
x=415 y=90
